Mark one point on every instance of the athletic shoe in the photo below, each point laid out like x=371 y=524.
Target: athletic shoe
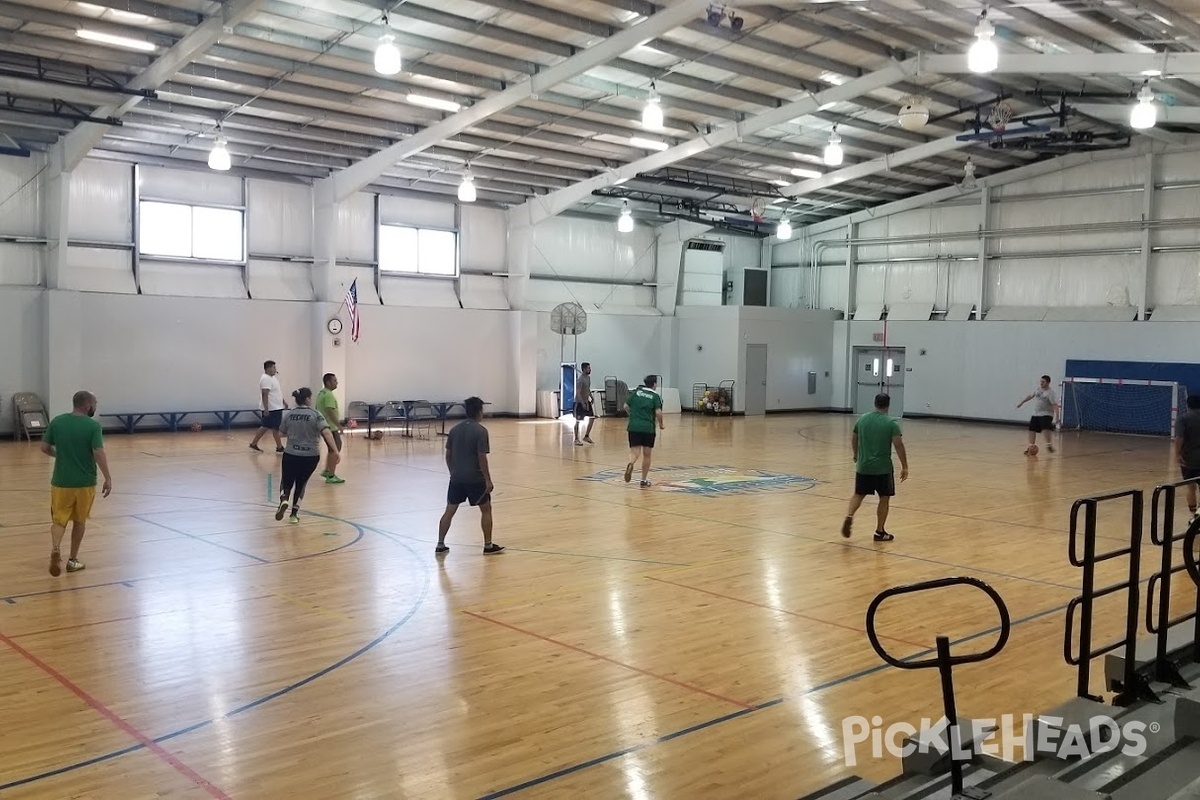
x=441 y=548
x=74 y=565
x=278 y=449
x=883 y=536
x=334 y=479
x=847 y=523
x=283 y=506
x=295 y=520
x=588 y=439
x=1050 y=447
x=628 y=471
x=256 y=448
x=55 y=563
x=492 y=549
x=326 y=473
x=645 y=484
x=578 y=443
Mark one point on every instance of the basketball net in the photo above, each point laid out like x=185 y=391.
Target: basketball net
x=757 y=208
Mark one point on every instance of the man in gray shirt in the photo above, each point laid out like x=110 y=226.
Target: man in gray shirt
x=470 y=478
x=1045 y=415
x=583 y=403
x=1187 y=447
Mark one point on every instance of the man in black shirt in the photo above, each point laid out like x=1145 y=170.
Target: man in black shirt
x=470 y=479
x=1187 y=447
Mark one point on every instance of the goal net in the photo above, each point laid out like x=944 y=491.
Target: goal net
x=1117 y=405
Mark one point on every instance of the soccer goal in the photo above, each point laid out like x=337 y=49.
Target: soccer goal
x=1119 y=405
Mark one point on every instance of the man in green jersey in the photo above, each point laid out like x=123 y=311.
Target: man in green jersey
x=327 y=406
x=76 y=444
x=644 y=407
x=874 y=435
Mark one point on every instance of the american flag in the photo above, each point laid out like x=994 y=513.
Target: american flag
x=351 y=302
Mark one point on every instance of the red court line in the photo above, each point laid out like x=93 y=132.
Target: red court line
x=111 y=716
x=786 y=611
x=638 y=670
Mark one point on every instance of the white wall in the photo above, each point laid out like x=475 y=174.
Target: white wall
x=797 y=342
x=627 y=346
x=22 y=342
x=707 y=347
x=981 y=370
x=1047 y=267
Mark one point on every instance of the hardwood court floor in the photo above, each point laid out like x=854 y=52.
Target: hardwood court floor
x=700 y=639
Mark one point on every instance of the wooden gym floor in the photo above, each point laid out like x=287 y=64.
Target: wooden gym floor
x=700 y=639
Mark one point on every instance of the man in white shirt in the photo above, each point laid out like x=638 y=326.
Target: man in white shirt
x=273 y=406
x=1045 y=415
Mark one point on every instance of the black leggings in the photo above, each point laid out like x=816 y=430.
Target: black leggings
x=296 y=472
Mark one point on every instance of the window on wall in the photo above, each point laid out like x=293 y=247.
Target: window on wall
x=418 y=251
x=175 y=230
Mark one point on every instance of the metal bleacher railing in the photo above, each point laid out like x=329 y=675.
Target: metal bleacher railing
x=944 y=661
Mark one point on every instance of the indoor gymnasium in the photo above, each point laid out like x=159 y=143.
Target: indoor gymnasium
x=771 y=399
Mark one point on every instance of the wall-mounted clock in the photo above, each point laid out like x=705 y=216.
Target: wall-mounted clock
x=335 y=326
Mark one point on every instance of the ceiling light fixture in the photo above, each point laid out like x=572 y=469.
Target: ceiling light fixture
x=648 y=144
x=116 y=41
x=652 y=114
x=219 y=158
x=833 y=150
x=625 y=221
x=914 y=114
x=968 y=181
x=1145 y=114
x=387 y=55
x=983 y=56
x=785 y=230
x=466 y=189
x=736 y=22
x=801 y=172
x=433 y=102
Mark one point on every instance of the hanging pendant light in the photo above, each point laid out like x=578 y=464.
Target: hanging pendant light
x=652 y=114
x=983 y=57
x=1144 y=115
x=785 y=230
x=833 y=150
x=387 y=55
x=219 y=158
x=466 y=189
x=625 y=221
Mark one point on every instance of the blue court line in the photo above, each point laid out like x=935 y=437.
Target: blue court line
x=525 y=550
x=737 y=714
x=619 y=753
x=12 y=599
x=198 y=538
x=254 y=703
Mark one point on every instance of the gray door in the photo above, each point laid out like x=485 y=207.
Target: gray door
x=876 y=371
x=756 y=379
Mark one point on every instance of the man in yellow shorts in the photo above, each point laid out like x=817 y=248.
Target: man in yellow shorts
x=76 y=443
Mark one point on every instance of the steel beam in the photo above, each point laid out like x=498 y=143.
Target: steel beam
x=354 y=178
x=76 y=145
x=540 y=208
x=883 y=164
x=1130 y=65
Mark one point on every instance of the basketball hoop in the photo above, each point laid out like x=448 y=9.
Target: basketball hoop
x=1000 y=115
x=757 y=209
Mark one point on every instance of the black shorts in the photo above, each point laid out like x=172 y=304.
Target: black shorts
x=1039 y=424
x=1189 y=473
x=637 y=439
x=882 y=485
x=474 y=493
x=273 y=419
x=583 y=410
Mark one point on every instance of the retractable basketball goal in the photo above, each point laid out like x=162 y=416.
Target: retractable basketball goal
x=1121 y=405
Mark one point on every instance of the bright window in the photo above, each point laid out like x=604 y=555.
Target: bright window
x=181 y=231
x=418 y=251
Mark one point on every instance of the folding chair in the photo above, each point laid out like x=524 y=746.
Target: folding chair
x=30 y=413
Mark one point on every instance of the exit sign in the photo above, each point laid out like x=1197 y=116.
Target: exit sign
x=877 y=337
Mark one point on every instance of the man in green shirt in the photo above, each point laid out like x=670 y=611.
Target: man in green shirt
x=76 y=443
x=874 y=435
x=327 y=406
x=644 y=406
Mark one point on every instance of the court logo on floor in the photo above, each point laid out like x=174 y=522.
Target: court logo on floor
x=711 y=481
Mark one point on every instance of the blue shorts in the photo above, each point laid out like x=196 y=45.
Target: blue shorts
x=474 y=493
